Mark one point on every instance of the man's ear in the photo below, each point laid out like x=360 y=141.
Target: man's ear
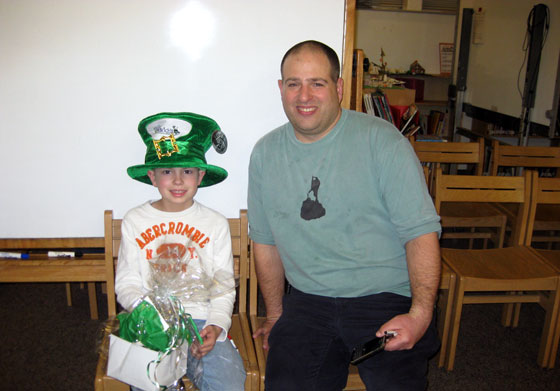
x=152 y=175
x=340 y=88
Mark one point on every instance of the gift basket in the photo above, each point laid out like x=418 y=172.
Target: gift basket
x=151 y=349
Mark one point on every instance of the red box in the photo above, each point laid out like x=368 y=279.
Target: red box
x=414 y=84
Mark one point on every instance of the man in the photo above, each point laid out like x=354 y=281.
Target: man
x=363 y=260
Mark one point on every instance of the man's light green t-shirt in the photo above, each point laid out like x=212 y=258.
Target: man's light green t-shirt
x=340 y=210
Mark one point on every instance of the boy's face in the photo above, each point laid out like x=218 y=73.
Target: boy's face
x=177 y=186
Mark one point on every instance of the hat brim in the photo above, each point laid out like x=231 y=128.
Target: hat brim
x=214 y=174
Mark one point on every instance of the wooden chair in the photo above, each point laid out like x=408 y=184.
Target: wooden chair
x=466 y=220
x=445 y=297
x=433 y=155
x=546 y=191
x=240 y=331
x=547 y=217
x=500 y=271
x=40 y=267
x=518 y=156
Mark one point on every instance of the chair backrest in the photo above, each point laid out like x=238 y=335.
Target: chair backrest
x=239 y=232
x=451 y=152
x=488 y=189
x=435 y=154
x=528 y=157
x=544 y=191
x=112 y=244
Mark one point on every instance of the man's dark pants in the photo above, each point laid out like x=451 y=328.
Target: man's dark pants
x=311 y=344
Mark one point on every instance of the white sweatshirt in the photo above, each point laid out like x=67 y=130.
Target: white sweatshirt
x=201 y=236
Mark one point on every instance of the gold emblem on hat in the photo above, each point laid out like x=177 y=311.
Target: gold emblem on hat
x=170 y=151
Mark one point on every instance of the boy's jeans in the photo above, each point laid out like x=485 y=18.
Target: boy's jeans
x=222 y=368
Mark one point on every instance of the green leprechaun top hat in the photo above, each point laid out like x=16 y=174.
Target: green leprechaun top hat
x=180 y=140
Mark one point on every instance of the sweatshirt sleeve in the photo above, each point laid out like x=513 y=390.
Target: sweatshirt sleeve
x=221 y=304
x=128 y=279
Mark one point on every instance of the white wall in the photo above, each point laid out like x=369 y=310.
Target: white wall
x=76 y=77
x=497 y=62
x=404 y=37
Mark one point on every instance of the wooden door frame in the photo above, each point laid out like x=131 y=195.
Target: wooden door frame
x=348 y=49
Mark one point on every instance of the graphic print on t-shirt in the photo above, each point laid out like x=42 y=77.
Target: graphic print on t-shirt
x=312 y=209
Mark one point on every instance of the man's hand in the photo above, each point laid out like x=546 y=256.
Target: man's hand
x=424 y=265
x=209 y=336
x=264 y=331
x=409 y=328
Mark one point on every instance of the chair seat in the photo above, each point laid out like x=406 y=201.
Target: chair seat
x=547 y=217
x=469 y=210
x=552 y=256
x=519 y=264
x=548 y=213
x=472 y=221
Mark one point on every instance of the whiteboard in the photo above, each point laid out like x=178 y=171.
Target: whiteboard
x=77 y=76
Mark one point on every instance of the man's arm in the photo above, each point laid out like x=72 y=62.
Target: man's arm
x=270 y=274
x=424 y=269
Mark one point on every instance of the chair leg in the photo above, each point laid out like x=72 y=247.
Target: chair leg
x=555 y=341
x=445 y=320
x=507 y=313
x=446 y=309
x=92 y=301
x=455 y=324
x=511 y=312
x=68 y=294
x=516 y=313
x=441 y=325
x=548 y=343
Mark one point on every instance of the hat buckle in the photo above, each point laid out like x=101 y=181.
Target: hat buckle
x=170 y=151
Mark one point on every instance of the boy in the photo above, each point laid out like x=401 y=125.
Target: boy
x=175 y=164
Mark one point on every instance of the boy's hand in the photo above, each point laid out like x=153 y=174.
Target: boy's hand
x=209 y=336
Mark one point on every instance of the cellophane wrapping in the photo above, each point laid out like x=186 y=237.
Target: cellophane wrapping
x=159 y=321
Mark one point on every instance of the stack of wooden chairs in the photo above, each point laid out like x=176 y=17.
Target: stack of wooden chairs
x=510 y=275
x=521 y=273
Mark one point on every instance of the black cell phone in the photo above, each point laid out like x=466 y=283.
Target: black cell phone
x=369 y=348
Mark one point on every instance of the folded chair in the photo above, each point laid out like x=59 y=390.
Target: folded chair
x=520 y=156
x=445 y=291
x=547 y=216
x=436 y=154
x=240 y=330
x=462 y=221
x=546 y=191
x=493 y=274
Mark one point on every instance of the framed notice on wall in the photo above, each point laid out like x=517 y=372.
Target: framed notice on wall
x=446 y=51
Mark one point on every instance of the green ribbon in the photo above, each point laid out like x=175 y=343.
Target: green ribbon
x=144 y=324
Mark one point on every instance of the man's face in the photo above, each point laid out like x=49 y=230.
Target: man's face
x=311 y=99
